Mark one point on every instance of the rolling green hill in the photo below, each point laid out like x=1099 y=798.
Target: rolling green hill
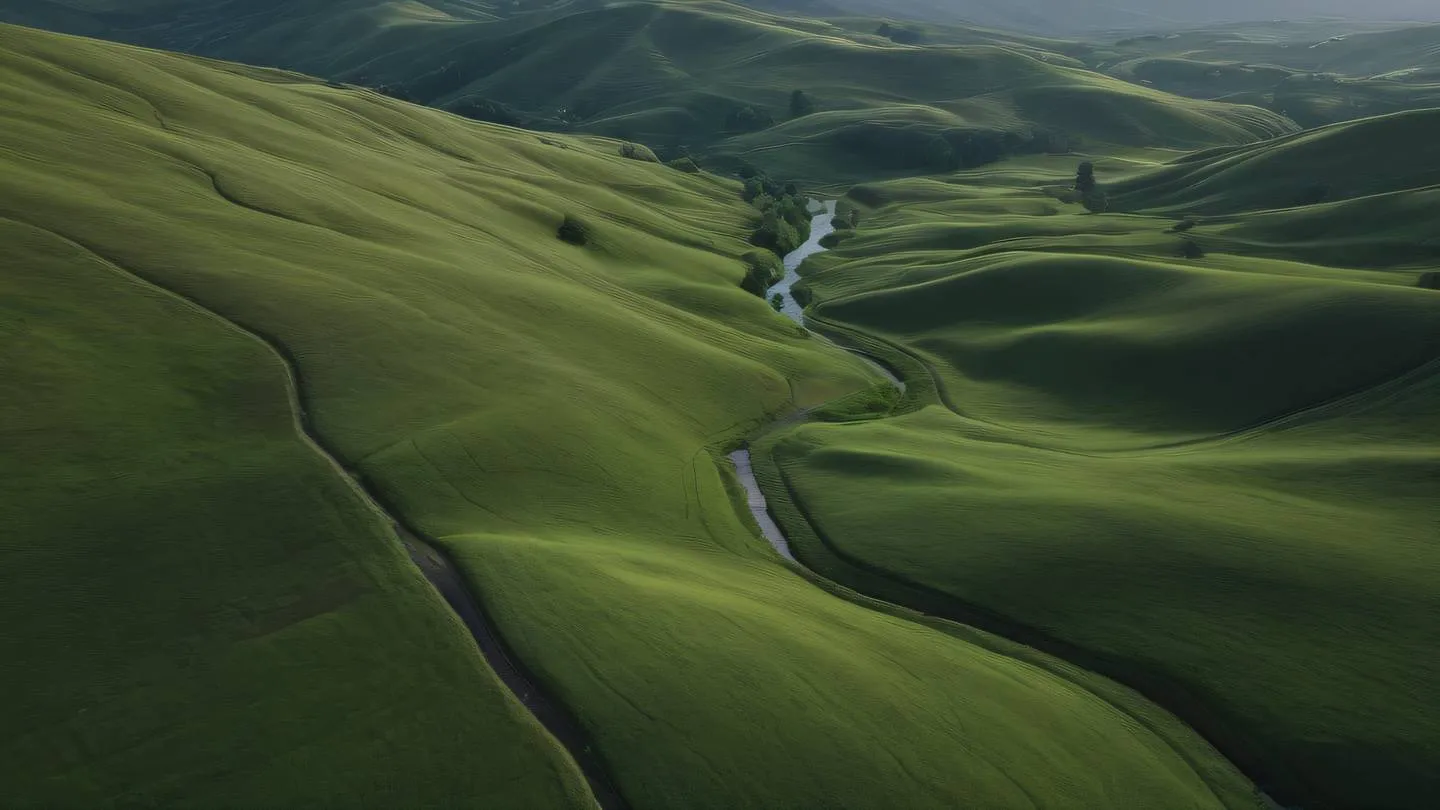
x=203 y=610
x=1339 y=162
x=717 y=80
x=1314 y=74
x=1210 y=478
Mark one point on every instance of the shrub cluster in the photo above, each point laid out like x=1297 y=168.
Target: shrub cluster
x=898 y=35
x=635 y=151
x=762 y=270
x=574 y=231
x=784 y=221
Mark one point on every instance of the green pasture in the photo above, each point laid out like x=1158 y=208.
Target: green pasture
x=208 y=614
x=1210 y=478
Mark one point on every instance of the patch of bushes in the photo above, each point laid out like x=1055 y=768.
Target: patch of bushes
x=635 y=151
x=801 y=104
x=574 y=231
x=748 y=119
x=394 y=90
x=777 y=302
x=1191 y=249
x=685 y=165
x=1184 y=225
x=898 y=35
x=763 y=270
x=784 y=220
x=488 y=110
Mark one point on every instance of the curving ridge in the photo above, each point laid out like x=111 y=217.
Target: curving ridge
x=437 y=567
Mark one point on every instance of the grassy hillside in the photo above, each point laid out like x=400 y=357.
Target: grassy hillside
x=1314 y=74
x=1209 y=477
x=717 y=79
x=548 y=413
x=1340 y=162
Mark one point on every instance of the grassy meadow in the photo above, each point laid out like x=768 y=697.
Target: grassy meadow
x=1208 y=476
x=207 y=612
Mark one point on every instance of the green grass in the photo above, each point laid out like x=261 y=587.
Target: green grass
x=671 y=73
x=198 y=610
x=207 y=616
x=1294 y=69
x=1210 y=479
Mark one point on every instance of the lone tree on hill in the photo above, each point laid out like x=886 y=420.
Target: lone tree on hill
x=1091 y=195
x=1085 y=178
x=800 y=104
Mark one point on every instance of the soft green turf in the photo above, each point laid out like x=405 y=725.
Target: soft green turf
x=198 y=611
x=550 y=412
x=1210 y=478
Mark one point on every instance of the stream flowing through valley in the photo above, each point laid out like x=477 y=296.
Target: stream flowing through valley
x=821 y=226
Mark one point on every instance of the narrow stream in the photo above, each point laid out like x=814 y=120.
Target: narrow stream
x=821 y=226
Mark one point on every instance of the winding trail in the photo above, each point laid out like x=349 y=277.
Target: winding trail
x=433 y=563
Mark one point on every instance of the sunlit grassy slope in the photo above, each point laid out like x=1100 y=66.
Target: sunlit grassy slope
x=681 y=74
x=198 y=611
x=201 y=609
x=1212 y=478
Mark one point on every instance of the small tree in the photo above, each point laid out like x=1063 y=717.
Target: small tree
x=1192 y=250
x=1085 y=178
x=1095 y=202
x=573 y=231
x=777 y=302
x=800 y=104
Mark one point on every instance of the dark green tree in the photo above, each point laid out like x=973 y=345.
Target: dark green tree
x=1085 y=178
x=800 y=104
